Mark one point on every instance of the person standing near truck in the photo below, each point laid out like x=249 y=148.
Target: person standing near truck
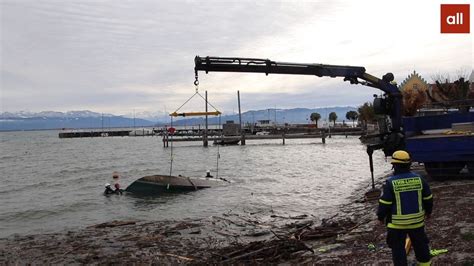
x=405 y=203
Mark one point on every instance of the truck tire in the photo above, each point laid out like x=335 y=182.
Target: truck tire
x=443 y=170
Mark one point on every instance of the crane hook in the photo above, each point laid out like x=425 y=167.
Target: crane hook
x=196 y=81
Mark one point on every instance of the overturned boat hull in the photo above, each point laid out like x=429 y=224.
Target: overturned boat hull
x=158 y=184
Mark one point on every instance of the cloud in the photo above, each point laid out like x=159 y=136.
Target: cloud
x=112 y=56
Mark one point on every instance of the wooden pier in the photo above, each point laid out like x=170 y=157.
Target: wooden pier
x=92 y=134
x=167 y=139
x=139 y=132
x=214 y=135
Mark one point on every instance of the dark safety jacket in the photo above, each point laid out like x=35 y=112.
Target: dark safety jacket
x=405 y=200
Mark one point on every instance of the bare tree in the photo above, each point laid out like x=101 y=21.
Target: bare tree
x=452 y=94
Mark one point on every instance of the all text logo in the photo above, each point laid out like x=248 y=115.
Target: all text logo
x=455 y=18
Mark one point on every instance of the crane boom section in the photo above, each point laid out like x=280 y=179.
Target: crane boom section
x=254 y=65
x=272 y=67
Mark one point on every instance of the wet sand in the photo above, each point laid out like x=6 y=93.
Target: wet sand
x=351 y=236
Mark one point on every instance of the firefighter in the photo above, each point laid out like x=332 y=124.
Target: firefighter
x=405 y=203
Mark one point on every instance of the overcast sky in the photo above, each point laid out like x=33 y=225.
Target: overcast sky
x=120 y=56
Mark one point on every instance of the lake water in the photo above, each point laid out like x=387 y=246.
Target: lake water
x=49 y=184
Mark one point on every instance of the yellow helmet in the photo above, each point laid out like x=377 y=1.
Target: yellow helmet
x=401 y=157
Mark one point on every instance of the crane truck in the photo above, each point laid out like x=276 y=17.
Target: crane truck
x=442 y=155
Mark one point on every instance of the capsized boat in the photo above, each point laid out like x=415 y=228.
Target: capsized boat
x=157 y=184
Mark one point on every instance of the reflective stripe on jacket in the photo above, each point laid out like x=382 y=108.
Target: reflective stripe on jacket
x=405 y=200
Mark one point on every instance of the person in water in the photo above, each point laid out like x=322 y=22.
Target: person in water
x=108 y=189
x=115 y=177
x=208 y=173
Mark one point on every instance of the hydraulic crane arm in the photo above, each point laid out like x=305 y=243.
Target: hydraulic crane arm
x=254 y=65
x=389 y=105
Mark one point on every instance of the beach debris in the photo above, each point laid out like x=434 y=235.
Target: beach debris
x=114 y=223
x=270 y=251
x=371 y=247
x=329 y=247
x=436 y=252
x=179 y=257
x=373 y=194
x=297 y=217
x=326 y=229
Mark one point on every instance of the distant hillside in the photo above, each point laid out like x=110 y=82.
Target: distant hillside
x=70 y=120
x=294 y=116
x=87 y=119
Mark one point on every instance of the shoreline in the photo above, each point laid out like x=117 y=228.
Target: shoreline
x=350 y=236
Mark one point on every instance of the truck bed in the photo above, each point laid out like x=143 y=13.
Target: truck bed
x=441 y=147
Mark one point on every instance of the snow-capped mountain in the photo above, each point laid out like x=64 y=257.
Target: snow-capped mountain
x=88 y=119
x=51 y=114
x=25 y=120
x=151 y=116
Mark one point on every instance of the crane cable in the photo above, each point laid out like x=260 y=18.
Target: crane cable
x=218 y=145
x=171 y=150
x=196 y=83
x=197 y=93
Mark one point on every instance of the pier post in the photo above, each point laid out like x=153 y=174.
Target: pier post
x=242 y=131
x=204 y=139
x=283 y=136
x=165 y=141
